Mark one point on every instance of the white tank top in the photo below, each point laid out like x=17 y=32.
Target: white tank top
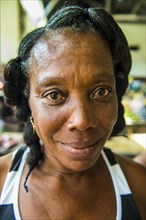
x=9 y=207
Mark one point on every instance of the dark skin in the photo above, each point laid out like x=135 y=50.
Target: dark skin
x=73 y=118
x=141 y=158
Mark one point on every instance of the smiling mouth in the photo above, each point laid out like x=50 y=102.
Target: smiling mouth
x=80 y=149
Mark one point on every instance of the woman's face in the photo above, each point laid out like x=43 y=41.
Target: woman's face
x=72 y=98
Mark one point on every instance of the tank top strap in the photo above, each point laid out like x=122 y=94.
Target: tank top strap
x=9 y=208
x=126 y=206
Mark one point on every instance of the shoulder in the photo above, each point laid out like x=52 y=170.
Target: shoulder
x=141 y=158
x=135 y=174
x=11 y=161
x=5 y=163
x=132 y=170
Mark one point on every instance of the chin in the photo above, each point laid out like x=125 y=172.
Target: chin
x=78 y=166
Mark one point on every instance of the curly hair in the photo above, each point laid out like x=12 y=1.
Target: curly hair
x=79 y=20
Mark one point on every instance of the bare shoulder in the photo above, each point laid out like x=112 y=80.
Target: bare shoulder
x=5 y=162
x=135 y=174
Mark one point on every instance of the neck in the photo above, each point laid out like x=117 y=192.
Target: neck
x=65 y=176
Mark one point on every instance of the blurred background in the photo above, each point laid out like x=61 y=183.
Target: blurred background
x=18 y=17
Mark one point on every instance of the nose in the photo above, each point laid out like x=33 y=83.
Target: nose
x=82 y=118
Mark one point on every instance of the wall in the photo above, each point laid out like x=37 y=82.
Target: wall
x=10 y=36
x=136 y=35
x=9 y=28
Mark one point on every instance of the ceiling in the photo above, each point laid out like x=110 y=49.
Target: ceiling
x=123 y=8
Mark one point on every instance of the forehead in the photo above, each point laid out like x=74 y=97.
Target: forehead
x=75 y=59
x=52 y=45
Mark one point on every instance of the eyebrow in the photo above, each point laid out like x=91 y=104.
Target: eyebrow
x=49 y=80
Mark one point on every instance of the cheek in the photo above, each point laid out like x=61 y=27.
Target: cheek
x=109 y=114
x=47 y=120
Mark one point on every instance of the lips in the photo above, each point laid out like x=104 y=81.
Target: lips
x=79 y=145
x=79 y=149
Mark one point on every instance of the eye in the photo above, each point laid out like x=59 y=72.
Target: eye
x=54 y=97
x=102 y=93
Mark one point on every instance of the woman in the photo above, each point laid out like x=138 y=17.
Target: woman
x=67 y=83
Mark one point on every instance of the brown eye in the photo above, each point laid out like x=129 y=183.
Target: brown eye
x=101 y=94
x=54 y=95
